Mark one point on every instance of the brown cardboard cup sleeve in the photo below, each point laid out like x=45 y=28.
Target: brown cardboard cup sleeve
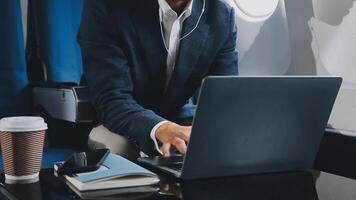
x=22 y=141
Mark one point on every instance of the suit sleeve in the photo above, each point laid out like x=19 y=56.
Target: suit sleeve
x=226 y=61
x=109 y=78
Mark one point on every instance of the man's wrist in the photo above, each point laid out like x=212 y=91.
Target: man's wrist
x=154 y=138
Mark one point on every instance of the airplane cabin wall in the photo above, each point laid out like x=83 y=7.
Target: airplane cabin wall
x=323 y=38
x=306 y=37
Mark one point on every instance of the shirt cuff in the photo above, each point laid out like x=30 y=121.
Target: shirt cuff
x=153 y=136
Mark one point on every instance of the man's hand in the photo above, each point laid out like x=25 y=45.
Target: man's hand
x=172 y=135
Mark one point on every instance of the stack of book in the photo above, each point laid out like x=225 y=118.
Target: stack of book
x=116 y=176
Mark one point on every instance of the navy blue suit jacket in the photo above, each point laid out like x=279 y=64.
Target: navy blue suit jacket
x=125 y=62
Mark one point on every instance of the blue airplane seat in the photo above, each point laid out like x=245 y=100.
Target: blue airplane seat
x=15 y=93
x=52 y=40
x=52 y=45
x=50 y=156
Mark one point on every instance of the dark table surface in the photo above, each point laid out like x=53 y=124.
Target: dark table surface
x=336 y=156
x=286 y=186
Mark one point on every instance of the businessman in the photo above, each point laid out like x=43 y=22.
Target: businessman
x=145 y=59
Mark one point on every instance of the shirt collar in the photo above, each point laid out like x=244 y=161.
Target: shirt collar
x=166 y=8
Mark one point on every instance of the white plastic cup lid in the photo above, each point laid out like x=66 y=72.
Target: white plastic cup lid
x=22 y=124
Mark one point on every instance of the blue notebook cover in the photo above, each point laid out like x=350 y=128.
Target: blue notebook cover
x=117 y=167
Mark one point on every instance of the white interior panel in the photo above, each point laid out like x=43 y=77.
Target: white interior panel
x=24 y=10
x=304 y=37
x=334 y=47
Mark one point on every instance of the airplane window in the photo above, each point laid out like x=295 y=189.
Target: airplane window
x=256 y=10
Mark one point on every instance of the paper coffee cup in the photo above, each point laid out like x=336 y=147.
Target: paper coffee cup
x=22 y=141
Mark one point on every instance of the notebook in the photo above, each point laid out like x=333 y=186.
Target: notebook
x=116 y=172
x=140 y=192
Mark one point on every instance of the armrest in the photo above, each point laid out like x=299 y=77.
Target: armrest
x=337 y=154
x=68 y=102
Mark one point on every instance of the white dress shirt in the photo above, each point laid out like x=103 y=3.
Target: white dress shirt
x=171 y=25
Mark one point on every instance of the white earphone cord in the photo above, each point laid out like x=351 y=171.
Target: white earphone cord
x=186 y=35
x=196 y=26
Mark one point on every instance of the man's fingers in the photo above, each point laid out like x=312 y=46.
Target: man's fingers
x=180 y=145
x=173 y=135
x=185 y=133
x=166 y=149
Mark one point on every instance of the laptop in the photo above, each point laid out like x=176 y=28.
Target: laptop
x=252 y=125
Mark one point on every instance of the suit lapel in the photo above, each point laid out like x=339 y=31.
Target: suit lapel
x=190 y=49
x=146 y=22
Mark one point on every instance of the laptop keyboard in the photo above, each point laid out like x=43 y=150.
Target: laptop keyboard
x=176 y=168
x=173 y=162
